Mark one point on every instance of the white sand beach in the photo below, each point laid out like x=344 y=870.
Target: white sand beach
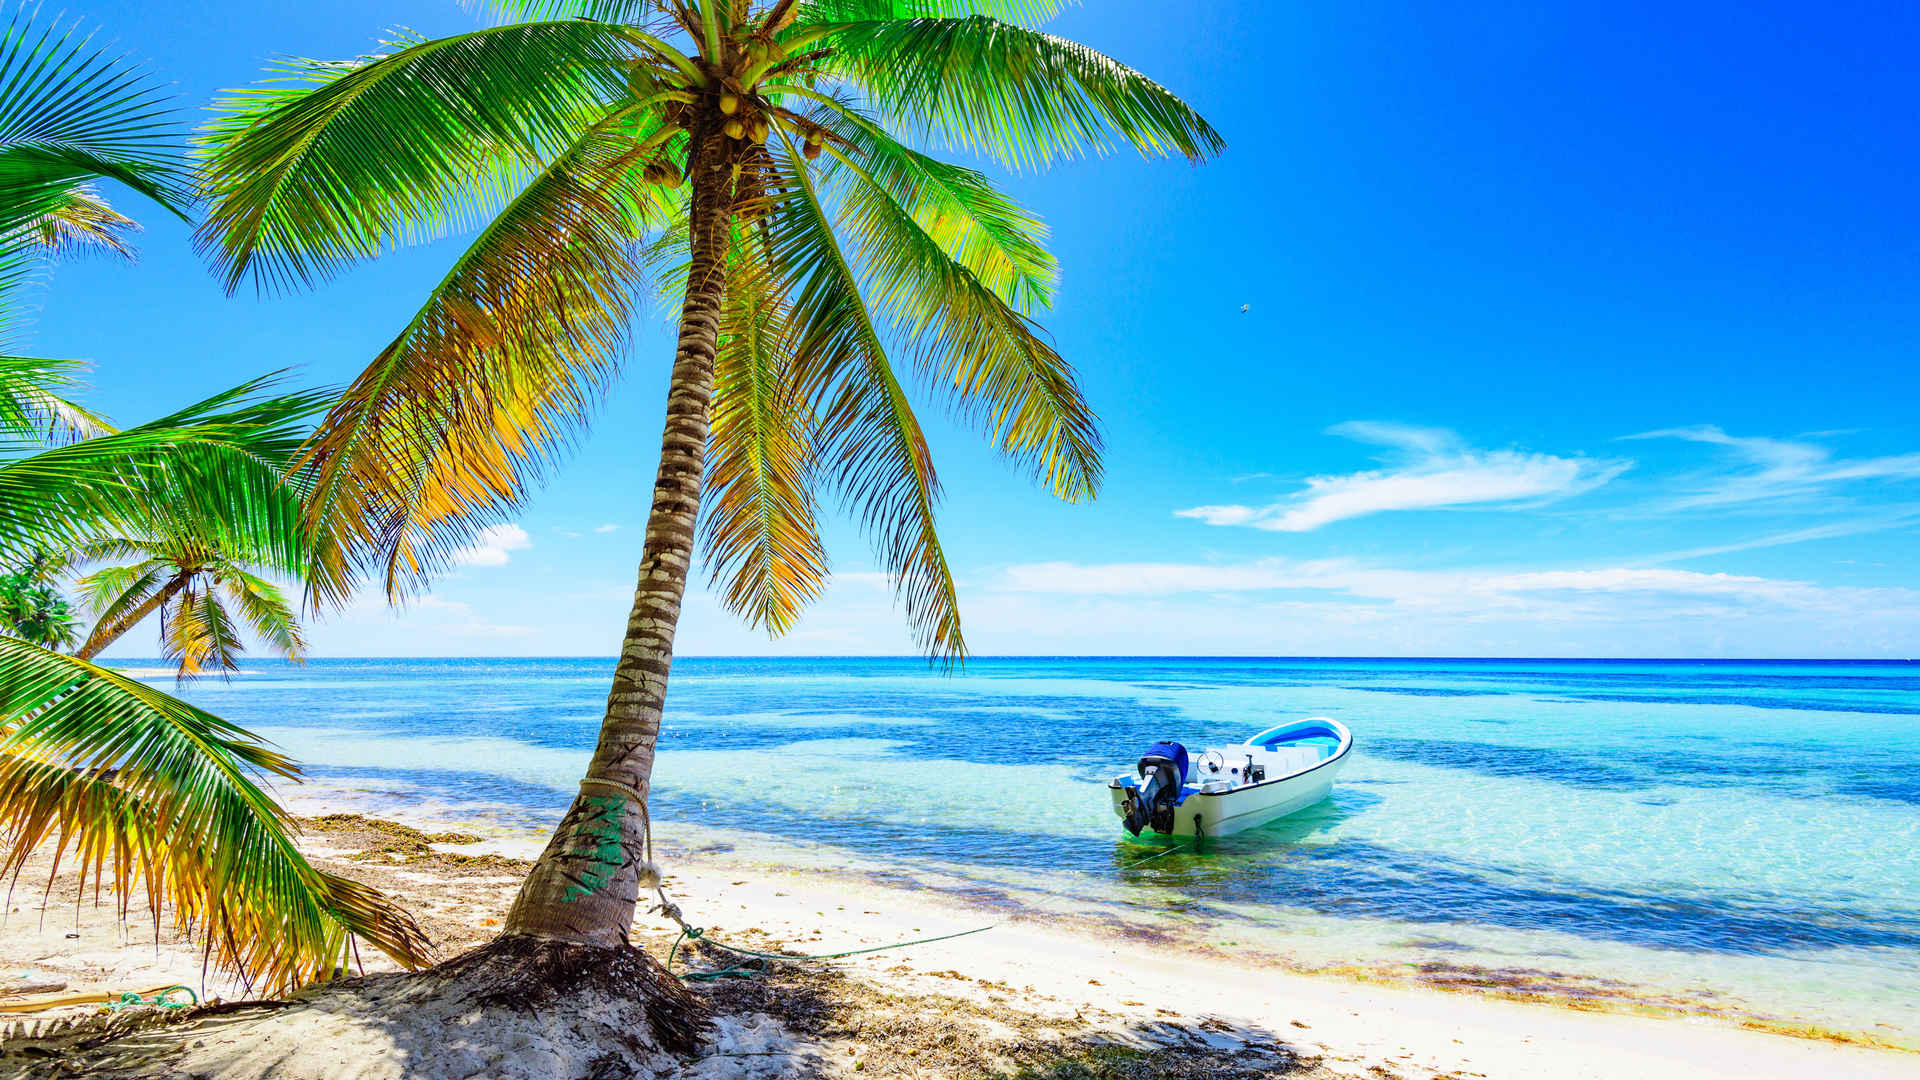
x=1031 y=986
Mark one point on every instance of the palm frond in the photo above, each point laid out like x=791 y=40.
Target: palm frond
x=34 y=405
x=197 y=633
x=72 y=111
x=1022 y=12
x=1020 y=96
x=997 y=240
x=627 y=12
x=987 y=357
x=265 y=611
x=139 y=788
x=213 y=470
x=82 y=222
x=338 y=162
x=454 y=422
x=871 y=444
x=112 y=591
x=760 y=533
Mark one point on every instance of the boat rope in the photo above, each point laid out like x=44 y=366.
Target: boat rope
x=131 y=1000
x=629 y=790
x=1199 y=834
x=757 y=962
x=1164 y=851
x=739 y=971
x=159 y=995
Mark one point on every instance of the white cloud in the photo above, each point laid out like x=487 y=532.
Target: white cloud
x=491 y=546
x=605 y=528
x=1768 y=469
x=1430 y=469
x=1600 y=593
x=1892 y=518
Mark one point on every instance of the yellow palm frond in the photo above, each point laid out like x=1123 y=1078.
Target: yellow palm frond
x=871 y=446
x=760 y=533
x=455 y=421
x=140 y=789
x=83 y=221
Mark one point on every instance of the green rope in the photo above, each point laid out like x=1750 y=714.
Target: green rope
x=759 y=966
x=1157 y=854
x=131 y=1000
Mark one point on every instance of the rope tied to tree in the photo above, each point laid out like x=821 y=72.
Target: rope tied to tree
x=130 y=999
x=758 y=961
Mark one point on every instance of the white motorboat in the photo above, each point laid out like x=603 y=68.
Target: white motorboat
x=1228 y=789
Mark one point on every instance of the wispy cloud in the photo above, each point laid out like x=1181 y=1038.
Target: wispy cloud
x=1769 y=470
x=1427 y=469
x=1471 y=594
x=1892 y=518
x=606 y=528
x=491 y=546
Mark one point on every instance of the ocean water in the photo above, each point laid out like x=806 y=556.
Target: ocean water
x=1738 y=838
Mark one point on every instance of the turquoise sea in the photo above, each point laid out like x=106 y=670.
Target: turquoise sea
x=1737 y=837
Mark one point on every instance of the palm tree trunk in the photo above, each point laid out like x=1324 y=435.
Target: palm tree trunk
x=104 y=634
x=584 y=888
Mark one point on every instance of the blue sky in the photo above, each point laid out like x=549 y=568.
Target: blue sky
x=1498 y=330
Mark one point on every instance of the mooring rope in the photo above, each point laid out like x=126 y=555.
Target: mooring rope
x=689 y=932
x=159 y=996
x=746 y=970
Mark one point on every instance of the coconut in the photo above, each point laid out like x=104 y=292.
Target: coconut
x=729 y=104
x=735 y=129
x=811 y=149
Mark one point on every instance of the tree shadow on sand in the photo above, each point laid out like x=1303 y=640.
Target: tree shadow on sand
x=793 y=1022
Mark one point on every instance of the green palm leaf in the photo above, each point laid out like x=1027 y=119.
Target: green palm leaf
x=760 y=532
x=71 y=111
x=1017 y=95
x=342 y=161
x=34 y=405
x=1023 y=12
x=451 y=425
x=214 y=469
x=82 y=222
x=265 y=610
x=871 y=444
x=989 y=357
x=142 y=789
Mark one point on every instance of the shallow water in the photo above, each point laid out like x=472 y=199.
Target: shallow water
x=1733 y=836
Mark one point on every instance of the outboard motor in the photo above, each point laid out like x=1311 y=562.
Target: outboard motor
x=1163 y=769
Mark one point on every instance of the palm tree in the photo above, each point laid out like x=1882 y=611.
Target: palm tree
x=760 y=158
x=129 y=785
x=184 y=579
x=32 y=607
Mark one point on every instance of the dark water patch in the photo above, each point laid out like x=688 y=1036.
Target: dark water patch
x=1492 y=759
x=1898 y=786
x=1427 y=691
x=540 y=803
x=1358 y=879
x=1802 y=704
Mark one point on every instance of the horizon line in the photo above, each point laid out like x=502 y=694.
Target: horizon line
x=1096 y=656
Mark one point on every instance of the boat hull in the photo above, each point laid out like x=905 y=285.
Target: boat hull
x=1247 y=807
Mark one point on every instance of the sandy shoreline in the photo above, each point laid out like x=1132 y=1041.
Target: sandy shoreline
x=1033 y=971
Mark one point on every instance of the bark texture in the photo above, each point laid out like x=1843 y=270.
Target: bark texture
x=585 y=886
